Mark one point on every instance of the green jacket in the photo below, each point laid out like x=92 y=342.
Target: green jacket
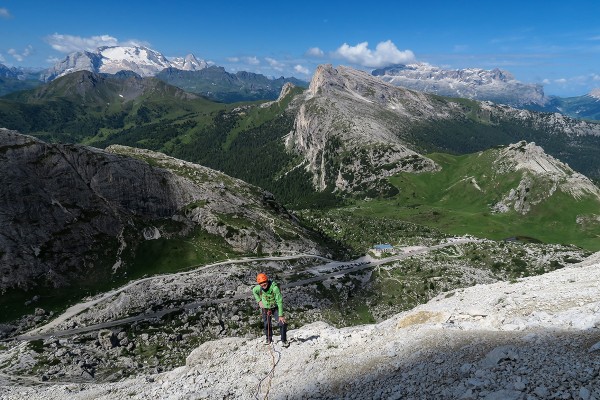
x=270 y=298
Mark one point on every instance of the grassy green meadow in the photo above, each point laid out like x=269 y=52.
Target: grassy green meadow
x=457 y=200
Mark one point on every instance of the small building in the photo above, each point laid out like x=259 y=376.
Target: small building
x=380 y=249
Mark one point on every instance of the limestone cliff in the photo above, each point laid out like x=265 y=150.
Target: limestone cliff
x=70 y=213
x=344 y=131
x=353 y=130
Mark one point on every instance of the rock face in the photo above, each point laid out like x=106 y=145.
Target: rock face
x=537 y=338
x=12 y=72
x=538 y=167
x=496 y=85
x=69 y=212
x=342 y=131
x=188 y=63
x=353 y=130
x=112 y=59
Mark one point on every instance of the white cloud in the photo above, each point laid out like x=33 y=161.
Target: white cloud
x=70 y=43
x=315 y=52
x=233 y=59
x=4 y=13
x=2 y=58
x=275 y=64
x=21 y=56
x=386 y=53
x=303 y=70
x=252 y=60
x=579 y=80
x=16 y=55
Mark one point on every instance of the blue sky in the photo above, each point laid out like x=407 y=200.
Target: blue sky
x=555 y=43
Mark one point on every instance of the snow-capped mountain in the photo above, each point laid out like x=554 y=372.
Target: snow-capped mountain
x=494 y=85
x=9 y=72
x=112 y=59
x=595 y=93
x=188 y=63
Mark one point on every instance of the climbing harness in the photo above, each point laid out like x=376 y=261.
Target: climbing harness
x=274 y=362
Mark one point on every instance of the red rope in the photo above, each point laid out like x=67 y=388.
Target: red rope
x=274 y=363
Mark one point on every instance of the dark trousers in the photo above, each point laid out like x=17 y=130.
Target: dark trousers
x=268 y=323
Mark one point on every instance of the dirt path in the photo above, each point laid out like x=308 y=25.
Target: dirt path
x=44 y=332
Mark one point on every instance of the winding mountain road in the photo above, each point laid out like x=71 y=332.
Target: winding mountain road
x=343 y=268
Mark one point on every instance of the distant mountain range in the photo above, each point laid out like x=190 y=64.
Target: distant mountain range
x=495 y=85
x=472 y=83
x=197 y=76
x=14 y=79
x=350 y=128
x=217 y=84
x=112 y=59
x=188 y=73
x=582 y=107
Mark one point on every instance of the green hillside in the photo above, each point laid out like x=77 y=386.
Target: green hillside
x=219 y=85
x=449 y=201
x=10 y=85
x=582 y=107
x=84 y=107
x=478 y=130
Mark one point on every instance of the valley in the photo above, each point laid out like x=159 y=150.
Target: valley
x=150 y=325
x=135 y=216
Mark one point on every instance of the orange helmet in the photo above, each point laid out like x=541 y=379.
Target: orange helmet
x=260 y=278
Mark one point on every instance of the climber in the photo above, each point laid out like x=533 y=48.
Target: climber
x=270 y=301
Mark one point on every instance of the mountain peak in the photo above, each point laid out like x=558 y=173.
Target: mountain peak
x=323 y=73
x=595 y=93
x=285 y=90
x=188 y=63
x=495 y=85
x=112 y=59
x=543 y=176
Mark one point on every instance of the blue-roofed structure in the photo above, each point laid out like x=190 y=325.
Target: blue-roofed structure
x=379 y=249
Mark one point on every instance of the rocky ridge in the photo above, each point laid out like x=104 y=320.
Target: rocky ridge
x=353 y=130
x=99 y=89
x=535 y=338
x=112 y=59
x=472 y=83
x=537 y=165
x=69 y=210
x=340 y=133
x=188 y=63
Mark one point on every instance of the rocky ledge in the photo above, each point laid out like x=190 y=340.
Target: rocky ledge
x=536 y=338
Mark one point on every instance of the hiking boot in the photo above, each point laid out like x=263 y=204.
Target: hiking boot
x=285 y=344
